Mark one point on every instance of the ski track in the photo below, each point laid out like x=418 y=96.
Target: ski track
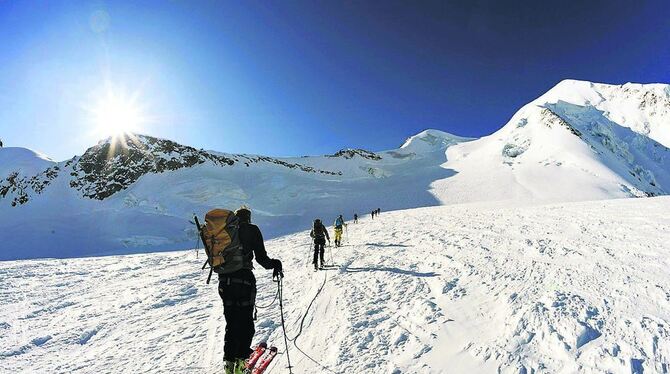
x=566 y=288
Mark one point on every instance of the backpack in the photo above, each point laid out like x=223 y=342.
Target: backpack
x=339 y=222
x=318 y=229
x=220 y=236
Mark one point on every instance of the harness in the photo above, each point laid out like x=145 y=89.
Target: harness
x=228 y=281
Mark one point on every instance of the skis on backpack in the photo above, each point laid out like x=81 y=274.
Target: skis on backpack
x=265 y=362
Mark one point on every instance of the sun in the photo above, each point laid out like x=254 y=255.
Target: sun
x=116 y=114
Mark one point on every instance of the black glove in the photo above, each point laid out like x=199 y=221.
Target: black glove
x=277 y=271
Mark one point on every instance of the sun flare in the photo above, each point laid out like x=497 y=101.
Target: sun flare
x=115 y=115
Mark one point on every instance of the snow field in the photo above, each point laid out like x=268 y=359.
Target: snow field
x=565 y=288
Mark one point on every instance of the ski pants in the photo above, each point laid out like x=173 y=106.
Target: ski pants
x=238 y=293
x=319 y=249
x=338 y=236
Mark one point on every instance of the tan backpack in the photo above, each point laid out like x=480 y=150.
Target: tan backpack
x=221 y=240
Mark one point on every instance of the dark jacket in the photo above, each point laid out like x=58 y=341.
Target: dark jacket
x=252 y=246
x=320 y=236
x=252 y=241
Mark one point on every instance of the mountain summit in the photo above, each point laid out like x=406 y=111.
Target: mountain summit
x=579 y=141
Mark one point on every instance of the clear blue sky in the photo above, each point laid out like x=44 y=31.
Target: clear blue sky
x=294 y=77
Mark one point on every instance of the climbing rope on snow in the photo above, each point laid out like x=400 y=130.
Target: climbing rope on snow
x=283 y=325
x=302 y=325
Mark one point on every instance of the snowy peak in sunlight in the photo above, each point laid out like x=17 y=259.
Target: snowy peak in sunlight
x=644 y=108
x=579 y=141
x=22 y=160
x=431 y=140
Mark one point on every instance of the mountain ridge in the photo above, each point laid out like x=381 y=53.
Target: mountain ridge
x=564 y=146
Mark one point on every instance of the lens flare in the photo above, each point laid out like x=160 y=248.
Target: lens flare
x=115 y=114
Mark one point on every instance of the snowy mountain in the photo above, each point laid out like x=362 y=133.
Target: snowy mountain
x=138 y=193
x=564 y=288
x=579 y=141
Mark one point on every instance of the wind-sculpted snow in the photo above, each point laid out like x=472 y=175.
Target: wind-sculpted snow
x=568 y=288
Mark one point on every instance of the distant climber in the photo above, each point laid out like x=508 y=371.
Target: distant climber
x=0 y=143
x=237 y=289
x=339 y=225
x=319 y=234
x=355 y=217
x=373 y=214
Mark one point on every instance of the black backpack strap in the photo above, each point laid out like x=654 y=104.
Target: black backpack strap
x=209 y=277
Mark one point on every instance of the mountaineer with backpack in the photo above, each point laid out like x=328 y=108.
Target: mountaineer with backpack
x=355 y=217
x=319 y=234
x=339 y=223
x=231 y=242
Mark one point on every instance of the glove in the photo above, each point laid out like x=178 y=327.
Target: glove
x=277 y=271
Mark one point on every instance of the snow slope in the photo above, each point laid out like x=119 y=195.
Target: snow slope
x=25 y=161
x=579 y=141
x=140 y=197
x=564 y=288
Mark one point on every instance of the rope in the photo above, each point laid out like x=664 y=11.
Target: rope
x=283 y=325
x=302 y=325
x=271 y=303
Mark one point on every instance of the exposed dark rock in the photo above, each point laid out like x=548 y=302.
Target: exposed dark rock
x=350 y=153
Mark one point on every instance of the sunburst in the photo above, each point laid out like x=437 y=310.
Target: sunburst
x=118 y=116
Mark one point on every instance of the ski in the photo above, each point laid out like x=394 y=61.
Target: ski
x=255 y=355
x=267 y=359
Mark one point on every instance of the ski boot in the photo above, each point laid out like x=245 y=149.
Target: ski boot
x=234 y=367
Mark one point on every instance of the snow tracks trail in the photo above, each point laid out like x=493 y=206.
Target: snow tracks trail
x=580 y=287
x=568 y=288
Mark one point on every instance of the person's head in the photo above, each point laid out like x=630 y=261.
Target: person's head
x=244 y=214
x=317 y=222
x=340 y=216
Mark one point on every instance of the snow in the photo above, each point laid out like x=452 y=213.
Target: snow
x=24 y=160
x=559 y=288
x=523 y=251
x=153 y=213
x=566 y=146
x=580 y=141
x=644 y=108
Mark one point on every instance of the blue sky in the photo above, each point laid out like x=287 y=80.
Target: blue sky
x=295 y=78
